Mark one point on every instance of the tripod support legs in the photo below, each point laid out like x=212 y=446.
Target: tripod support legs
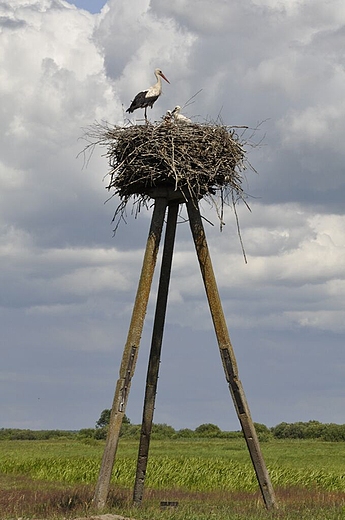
x=131 y=351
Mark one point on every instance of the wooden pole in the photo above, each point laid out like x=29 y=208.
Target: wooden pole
x=155 y=353
x=130 y=353
x=228 y=355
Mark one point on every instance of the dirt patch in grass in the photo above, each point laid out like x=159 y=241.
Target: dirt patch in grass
x=23 y=498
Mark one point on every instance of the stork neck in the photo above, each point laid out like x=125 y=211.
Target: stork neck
x=159 y=81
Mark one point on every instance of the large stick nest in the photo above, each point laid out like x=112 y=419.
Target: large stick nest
x=195 y=160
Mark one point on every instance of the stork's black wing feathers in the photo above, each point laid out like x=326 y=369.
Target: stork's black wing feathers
x=138 y=102
x=141 y=101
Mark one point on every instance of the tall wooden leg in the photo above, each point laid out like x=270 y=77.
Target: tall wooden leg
x=130 y=353
x=155 y=353
x=228 y=355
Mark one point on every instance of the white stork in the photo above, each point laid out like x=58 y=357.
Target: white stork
x=167 y=117
x=180 y=118
x=147 y=98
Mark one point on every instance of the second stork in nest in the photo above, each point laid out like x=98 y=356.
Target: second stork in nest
x=180 y=118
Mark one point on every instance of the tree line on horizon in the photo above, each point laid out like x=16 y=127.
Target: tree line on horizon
x=330 y=432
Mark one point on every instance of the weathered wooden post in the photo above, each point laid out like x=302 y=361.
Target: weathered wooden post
x=155 y=353
x=228 y=355
x=173 y=164
x=130 y=354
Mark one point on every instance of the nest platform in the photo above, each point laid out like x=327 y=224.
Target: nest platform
x=174 y=160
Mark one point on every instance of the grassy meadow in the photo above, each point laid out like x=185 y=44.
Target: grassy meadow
x=55 y=479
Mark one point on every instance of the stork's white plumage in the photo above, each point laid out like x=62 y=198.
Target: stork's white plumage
x=147 y=98
x=180 y=118
x=167 y=117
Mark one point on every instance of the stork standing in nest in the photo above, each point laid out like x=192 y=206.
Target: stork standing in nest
x=148 y=97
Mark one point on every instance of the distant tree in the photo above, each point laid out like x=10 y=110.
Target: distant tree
x=185 y=432
x=162 y=431
x=208 y=430
x=130 y=431
x=314 y=430
x=21 y=435
x=280 y=431
x=86 y=433
x=100 y=433
x=334 y=432
x=308 y=430
x=104 y=419
x=264 y=434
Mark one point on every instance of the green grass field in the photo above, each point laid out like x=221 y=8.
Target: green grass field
x=207 y=477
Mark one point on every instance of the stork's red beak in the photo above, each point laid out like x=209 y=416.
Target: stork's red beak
x=161 y=74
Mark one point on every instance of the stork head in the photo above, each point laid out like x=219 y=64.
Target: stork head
x=158 y=72
x=176 y=109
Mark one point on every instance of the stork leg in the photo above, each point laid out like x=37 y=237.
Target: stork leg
x=145 y=114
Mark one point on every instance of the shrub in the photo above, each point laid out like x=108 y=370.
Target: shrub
x=208 y=430
x=86 y=433
x=264 y=434
x=162 y=431
x=185 y=433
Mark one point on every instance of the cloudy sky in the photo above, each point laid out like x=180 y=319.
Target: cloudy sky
x=68 y=285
